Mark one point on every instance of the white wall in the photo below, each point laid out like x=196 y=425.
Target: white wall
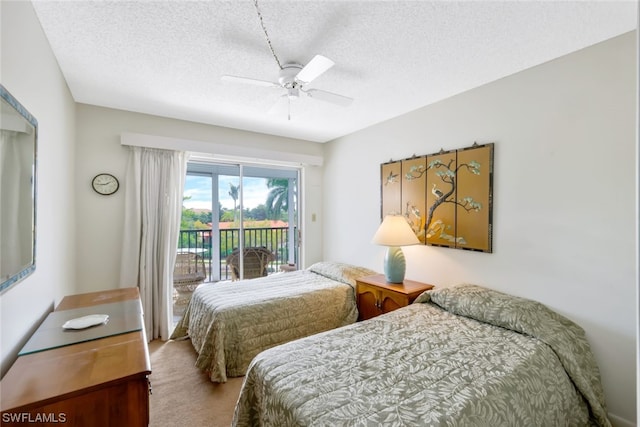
x=100 y=218
x=564 y=188
x=31 y=74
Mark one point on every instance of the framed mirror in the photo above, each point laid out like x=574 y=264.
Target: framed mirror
x=18 y=144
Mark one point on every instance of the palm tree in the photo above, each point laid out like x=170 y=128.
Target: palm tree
x=278 y=198
x=233 y=192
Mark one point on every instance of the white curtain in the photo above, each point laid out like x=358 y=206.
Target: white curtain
x=153 y=204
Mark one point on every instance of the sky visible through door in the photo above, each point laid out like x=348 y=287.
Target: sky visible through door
x=198 y=191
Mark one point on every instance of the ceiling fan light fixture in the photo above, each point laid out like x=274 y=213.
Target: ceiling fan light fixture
x=293 y=93
x=287 y=76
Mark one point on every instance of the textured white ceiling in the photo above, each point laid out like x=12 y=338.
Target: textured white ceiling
x=166 y=58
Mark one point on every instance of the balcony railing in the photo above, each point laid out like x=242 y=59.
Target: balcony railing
x=215 y=251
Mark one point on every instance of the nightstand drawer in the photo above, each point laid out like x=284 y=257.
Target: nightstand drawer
x=375 y=296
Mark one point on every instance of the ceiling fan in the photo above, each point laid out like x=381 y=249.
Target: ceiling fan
x=294 y=78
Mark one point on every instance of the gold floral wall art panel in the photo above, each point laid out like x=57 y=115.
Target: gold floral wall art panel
x=391 y=188
x=441 y=213
x=474 y=201
x=414 y=180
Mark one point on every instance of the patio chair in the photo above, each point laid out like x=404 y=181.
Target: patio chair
x=188 y=273
x=256 y=260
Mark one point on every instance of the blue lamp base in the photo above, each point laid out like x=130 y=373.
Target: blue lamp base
x=394 y=265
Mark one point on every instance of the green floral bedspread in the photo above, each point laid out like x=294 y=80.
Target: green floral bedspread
x=230 y=323
x=462 y=356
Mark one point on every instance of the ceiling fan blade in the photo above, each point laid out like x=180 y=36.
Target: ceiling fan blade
x=318 y=65
x=255 y=82
x=331 y=97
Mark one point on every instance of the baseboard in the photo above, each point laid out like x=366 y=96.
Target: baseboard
x=617 y=421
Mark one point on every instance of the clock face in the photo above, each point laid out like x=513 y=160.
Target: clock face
x=105 y=184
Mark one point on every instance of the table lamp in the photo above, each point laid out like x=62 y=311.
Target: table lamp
x=393 y=233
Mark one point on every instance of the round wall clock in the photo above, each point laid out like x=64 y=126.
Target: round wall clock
x=105 y=184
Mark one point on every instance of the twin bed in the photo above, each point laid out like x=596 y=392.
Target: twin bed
x=458 y=356
x=230 y=323
x=461 y=356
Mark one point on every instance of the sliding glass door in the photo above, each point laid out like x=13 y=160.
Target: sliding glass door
x=242 y=219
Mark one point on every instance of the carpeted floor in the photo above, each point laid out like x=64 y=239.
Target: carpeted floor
x=182 y=394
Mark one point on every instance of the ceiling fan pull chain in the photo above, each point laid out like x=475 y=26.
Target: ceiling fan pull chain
x=255 y=3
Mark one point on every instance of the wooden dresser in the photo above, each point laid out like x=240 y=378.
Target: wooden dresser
x=99 y=382
x=376 y=296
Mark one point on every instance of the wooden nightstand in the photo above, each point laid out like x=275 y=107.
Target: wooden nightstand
x=375 y=296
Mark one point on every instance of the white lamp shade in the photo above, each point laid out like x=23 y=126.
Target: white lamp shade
x=395 y=231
